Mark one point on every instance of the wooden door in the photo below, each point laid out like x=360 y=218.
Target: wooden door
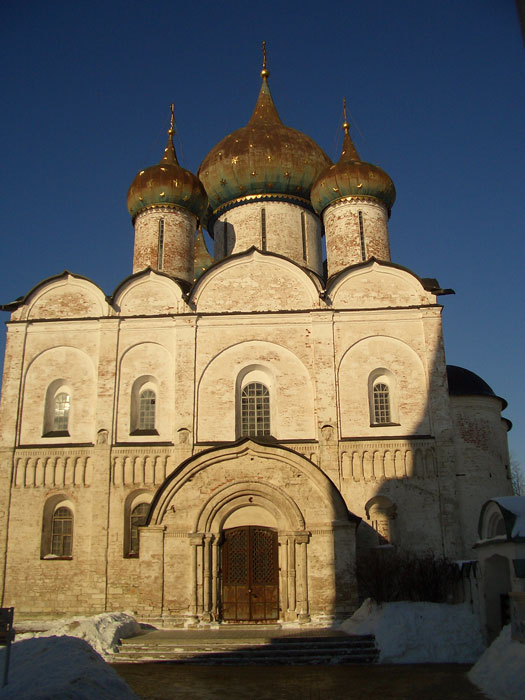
x=250 y=574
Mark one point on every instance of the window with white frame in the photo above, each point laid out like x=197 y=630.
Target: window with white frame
x=62 y=532
x=57 y=410
x=143 y=408
x=61 y=411
x=147 y=400
x=381 y=403
x=255 y=410
x=383 y=400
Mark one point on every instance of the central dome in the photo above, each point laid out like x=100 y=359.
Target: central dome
x=263 y=160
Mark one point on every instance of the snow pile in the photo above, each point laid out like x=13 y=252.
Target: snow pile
x=414 y=633
x=500 y=672
x=62 y=668
x=102 y=632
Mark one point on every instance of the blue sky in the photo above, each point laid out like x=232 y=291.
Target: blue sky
x=435 y=94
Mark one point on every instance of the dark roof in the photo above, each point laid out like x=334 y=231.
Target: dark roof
x=463 y=382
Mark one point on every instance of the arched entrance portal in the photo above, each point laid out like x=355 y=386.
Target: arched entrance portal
x=249 y=574
x=249 y=533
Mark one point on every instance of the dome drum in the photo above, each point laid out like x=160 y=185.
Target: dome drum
x=281 y=227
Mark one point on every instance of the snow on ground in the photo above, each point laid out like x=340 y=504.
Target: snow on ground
x=102 y=632
x=60 y=668
x=414 y=633
x=500 y=672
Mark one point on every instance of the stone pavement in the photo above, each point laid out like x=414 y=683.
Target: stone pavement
x=165 y=681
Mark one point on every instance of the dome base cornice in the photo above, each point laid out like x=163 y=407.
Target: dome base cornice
x=249 y=198
x=357 y=199
x=165 y=206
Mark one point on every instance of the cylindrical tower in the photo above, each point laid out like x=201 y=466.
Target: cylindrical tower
x=354 y=198
x=258 y=180
x=166 y=203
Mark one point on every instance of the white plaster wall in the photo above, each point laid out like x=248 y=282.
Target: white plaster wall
x=482 y=457
x=343 y=237
x=146 y=359
x=179 y=233
x=283 y=232
x=77 y=371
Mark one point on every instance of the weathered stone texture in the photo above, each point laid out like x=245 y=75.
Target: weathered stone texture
x=281 y=231
x=179 y=233
x=356 y=230
x=416 y=481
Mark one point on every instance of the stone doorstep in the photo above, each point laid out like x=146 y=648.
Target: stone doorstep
x=294 y=648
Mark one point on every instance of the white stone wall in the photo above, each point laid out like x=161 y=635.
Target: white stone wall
x=483 y=471
x=179 y=234
x=252 y=316
x=344 y=246
x=241 y=228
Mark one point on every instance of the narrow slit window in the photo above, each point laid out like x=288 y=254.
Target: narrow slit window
x=255 y=410
x=147 y=400
x=61 y=412
x=362 y=236
x=303 y=233
x=381 y=404
x=263 y=229
x=160 y=252
x=137 y=519
x=225 y=238
x=62 y=533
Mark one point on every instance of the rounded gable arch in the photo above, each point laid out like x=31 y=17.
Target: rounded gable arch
x=148 y=294
x=377 y=285
x=66 y=297
x=255 y=281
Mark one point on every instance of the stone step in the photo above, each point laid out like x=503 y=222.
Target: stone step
x=285 y=650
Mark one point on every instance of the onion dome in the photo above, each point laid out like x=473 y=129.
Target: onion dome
x=263 y=160
x=352 y=177
x=167 y=184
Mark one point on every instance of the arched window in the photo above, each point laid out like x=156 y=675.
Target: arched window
x=383 y=398
x=62 y=532
x=382 y=412
x=61 y=411
x=147 y=400
x=57 y=410
x=137 y=518
x=255 y=410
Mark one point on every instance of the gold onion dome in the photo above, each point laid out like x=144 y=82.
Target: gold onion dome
x=167 y=184
x=352 y=177
x=264 y=159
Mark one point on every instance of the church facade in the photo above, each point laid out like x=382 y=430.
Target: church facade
x=219 y=440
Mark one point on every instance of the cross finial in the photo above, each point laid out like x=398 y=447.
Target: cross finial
x=265 y=72
x=346 y=125
x=172 y=118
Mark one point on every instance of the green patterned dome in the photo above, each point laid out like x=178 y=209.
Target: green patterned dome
x=351 y=177
x=264 y=159
x=165 y=184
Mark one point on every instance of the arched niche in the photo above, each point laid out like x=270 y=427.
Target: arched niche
x=382 y=356
x=135 y=368
x=59 y=368
x=290 y=384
